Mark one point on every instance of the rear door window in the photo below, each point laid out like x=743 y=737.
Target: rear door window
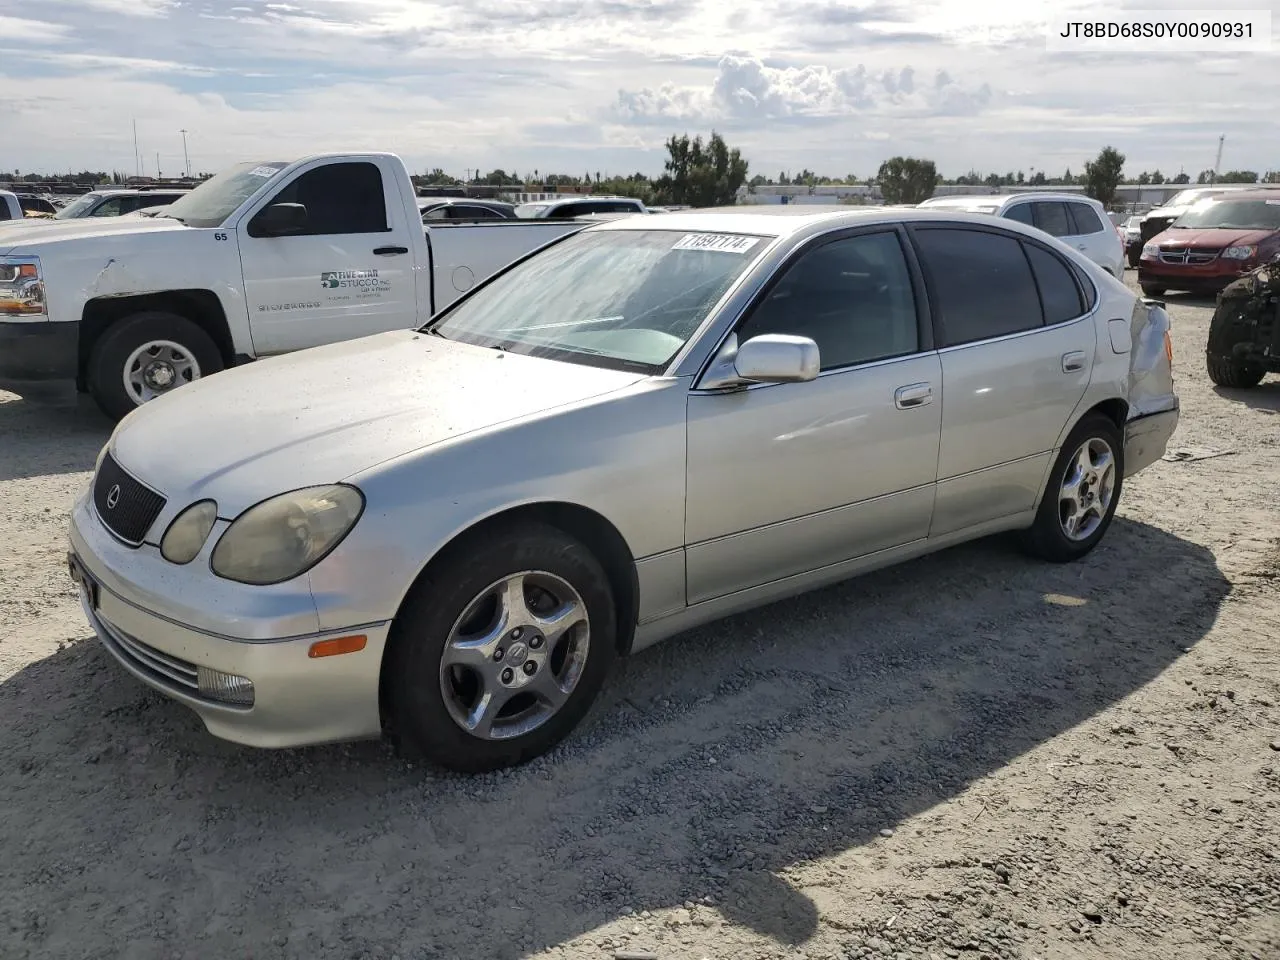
x=1020 y=212
x=1058 y=291
x=1086 y=220
x=1051 y=217
x=980 y=283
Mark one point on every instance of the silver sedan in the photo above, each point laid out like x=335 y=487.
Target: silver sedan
x=452 y=533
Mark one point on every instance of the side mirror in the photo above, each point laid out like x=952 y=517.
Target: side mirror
x=280 y=220
x=768 y=358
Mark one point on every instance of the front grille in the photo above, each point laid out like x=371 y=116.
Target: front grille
x=164 y=669
x=1194 y=257
x=126 y=506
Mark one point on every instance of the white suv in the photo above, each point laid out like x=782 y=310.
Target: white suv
x=1079 y=221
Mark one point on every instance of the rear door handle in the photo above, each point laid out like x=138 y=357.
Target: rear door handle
x=913 y=395
x=389 y=251
x=1071 y=362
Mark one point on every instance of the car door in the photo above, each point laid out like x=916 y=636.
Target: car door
x=1017 y=350
x=348 y=274
x=789 y=477
x=1091 y=235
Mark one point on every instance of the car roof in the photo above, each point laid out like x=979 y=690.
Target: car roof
x=964 y=199
x=783 y=220
x=1268 y=195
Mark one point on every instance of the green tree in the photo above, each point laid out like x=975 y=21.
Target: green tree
x=1204 y=176
x=907 y=180
x=1102 y=175
x=701 y=174
x=1038 y=179
x=1181 y=178
x=1157 y=178
x=1144 y=178
x=1239 y=176
x=1273 y=176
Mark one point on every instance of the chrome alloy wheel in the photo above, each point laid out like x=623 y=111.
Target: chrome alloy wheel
x=1088 y=485
x=515 y=655
x=157 y=367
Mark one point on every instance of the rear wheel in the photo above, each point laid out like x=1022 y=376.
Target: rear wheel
x=1153 y=289
x=1230 y=372
x=495 y=658
x=1083 y=492
x=145 y=356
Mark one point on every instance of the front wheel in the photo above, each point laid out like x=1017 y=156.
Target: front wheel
x=1153 y=289
x=498 y=655
x=1083 y=492
x=1229 y=372
x=145 y=356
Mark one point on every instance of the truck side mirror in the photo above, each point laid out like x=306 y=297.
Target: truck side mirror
x=280 y=220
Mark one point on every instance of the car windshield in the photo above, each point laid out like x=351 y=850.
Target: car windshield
x=625 y=299
x=1232 y=215
x=77 y=207
x=209 y=204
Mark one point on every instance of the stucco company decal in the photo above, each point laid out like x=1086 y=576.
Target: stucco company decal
x=359 y=280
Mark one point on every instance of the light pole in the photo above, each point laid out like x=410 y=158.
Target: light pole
x=185 y=156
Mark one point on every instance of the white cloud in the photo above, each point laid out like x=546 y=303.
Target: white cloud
x=744 y=88
x=19 y=28
x=124 y=8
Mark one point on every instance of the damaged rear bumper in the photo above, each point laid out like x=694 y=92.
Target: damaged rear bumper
x=1146 y=438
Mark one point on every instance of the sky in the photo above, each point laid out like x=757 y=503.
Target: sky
x=578 y=86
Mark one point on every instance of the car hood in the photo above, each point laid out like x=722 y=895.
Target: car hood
x=1215 y=238
x=20 y=235
x=322 y=415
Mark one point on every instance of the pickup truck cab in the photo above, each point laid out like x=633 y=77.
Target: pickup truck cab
x=264 y=258
x=14 y=206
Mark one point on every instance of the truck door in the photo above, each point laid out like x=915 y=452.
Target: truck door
x=335 y=263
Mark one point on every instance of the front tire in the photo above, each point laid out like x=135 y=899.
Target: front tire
x=1082 y=495
x=500 y=651
x=1229 y=372
x=146 y=355
x=1153 y=289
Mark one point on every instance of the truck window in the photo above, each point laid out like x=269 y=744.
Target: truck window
x=113 y=207
x=340 y=198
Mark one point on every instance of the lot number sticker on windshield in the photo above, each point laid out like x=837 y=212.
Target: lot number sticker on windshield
x=719 y=242
x=263 y=172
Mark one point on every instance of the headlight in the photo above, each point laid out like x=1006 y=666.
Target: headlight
x=22 y=289
x=1240 y=253
x=286 y=536
x=1151 y=250
x=190 y=529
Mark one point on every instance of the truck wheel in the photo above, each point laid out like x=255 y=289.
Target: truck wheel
x=1082 y=495
x=146 y=355
x=498 y=655
x=1230 y=372
x=1133 y=260
x=1153 y=289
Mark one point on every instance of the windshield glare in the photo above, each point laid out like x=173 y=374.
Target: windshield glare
x=530 y=211
x=77 y=207
x=209 y=204
x=626 y=299
x=1233 y=214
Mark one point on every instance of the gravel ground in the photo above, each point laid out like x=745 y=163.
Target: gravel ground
x=971 y=755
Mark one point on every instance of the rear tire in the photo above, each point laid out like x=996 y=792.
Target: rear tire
x=183 y=352
x=1071 y=494
x=1229 y=372
x=1153 y=289
x=461 y=634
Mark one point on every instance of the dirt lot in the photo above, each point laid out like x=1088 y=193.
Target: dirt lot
x=969 y=756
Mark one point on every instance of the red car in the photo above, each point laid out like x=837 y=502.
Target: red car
x=1213 y=243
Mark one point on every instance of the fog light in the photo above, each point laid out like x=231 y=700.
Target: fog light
x=225 y=687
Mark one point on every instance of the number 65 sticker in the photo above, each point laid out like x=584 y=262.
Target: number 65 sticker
x=220 y=236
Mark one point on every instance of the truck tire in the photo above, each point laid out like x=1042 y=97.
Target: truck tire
x=1230 y=372
x=145 y=355
x=1153 y=289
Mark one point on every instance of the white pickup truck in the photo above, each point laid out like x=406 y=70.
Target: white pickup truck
x=262 y=259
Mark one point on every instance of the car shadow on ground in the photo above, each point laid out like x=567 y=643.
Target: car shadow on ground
x=1265 y=396
x=43 y=437
x=712 y=763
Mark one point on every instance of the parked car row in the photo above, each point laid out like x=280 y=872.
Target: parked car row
x=572 y=439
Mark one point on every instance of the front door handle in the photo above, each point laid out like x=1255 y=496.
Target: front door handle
x=913 y=395
x=1071 y=362
x=389 y=251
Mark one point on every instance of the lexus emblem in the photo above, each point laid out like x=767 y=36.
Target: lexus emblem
x=113 y=497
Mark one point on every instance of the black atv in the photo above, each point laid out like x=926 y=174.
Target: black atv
x=1244 y=335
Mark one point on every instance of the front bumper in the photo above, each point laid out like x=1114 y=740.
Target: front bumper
x=38 y=351
x=1210 y=276
x=1146 y=438
x=297 y=700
